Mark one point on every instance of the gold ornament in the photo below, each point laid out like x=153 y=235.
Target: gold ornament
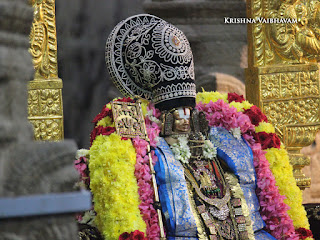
x=282 y=77
x=45 y=109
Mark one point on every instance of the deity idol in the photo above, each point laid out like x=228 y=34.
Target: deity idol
x=198 y=169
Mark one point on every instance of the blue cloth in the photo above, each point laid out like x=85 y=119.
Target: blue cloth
x=173 y=194
x=238 y=156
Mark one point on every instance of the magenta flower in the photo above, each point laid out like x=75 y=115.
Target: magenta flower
x=144 y=179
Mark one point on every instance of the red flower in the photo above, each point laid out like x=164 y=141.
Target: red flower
x=128 y=99
x=100 y=130
x=304 y=233
x=104 y=112
x=255 y=115
x=136 y=235
x=124 y=236
x=235 y=97
x=267 y=140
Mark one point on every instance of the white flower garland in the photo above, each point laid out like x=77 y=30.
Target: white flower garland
x=182 y=151
x=209 y=150
x=88 y=218
x=82 y=153
x=236 y=132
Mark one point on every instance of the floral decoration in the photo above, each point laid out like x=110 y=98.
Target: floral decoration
x=143 y=174
x=136 y=235
x=267 y=140
x=112 y=180
x=274 y=173
x=181 y=150
x=281 y=213
x=265 y=127
x=235 y=97
x=104 y=132
x=236 y=132
x=209 y=150
x=304 y=233
x=81 y=165
x=100 y=130
x=255 y=115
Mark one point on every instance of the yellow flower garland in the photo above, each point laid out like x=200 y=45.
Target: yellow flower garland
x=106 y=122
x=241 y=106
x=114 y=186
x=206 y=97
x=282 y=171
x=265 y=127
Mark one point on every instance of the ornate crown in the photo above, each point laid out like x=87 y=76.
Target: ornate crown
x=149 y=57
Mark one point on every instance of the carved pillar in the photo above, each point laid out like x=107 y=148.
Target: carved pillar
x=282 y=77
x=45 y=109
x=27 y=167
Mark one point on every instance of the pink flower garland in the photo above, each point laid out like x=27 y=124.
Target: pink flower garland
x=142 y=173
x=220 y=114
x=273 y=209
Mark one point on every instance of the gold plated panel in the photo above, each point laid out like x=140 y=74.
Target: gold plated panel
x=129 y=120
x=282 y=77
x=45 y=107
x=45 y=110
x=291 y=35
x=43 y=39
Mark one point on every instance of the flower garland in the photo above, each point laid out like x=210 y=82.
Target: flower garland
x=259 y=134
x=136 y=235
x=229 y=111
x=104 y=127
x=209 y=150
x=112 y=180
x=146 y=193
x=142 y=170
x=181 y=150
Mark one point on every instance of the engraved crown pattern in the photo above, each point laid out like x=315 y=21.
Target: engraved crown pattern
x=149 y=57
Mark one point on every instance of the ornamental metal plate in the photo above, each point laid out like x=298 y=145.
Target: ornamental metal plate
x=128 y=119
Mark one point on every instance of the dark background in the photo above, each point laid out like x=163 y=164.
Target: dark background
x=82 y=29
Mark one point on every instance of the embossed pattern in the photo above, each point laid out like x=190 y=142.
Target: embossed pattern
x=47 y=129
x=289 y=84
x=282 y=75
x=128 y=119
x=45 y=109
x=149 y=57
x=44 y=40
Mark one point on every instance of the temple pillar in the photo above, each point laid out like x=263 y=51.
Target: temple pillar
x=27 y=168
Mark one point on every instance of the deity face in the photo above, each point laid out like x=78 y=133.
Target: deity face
x=181 y=122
